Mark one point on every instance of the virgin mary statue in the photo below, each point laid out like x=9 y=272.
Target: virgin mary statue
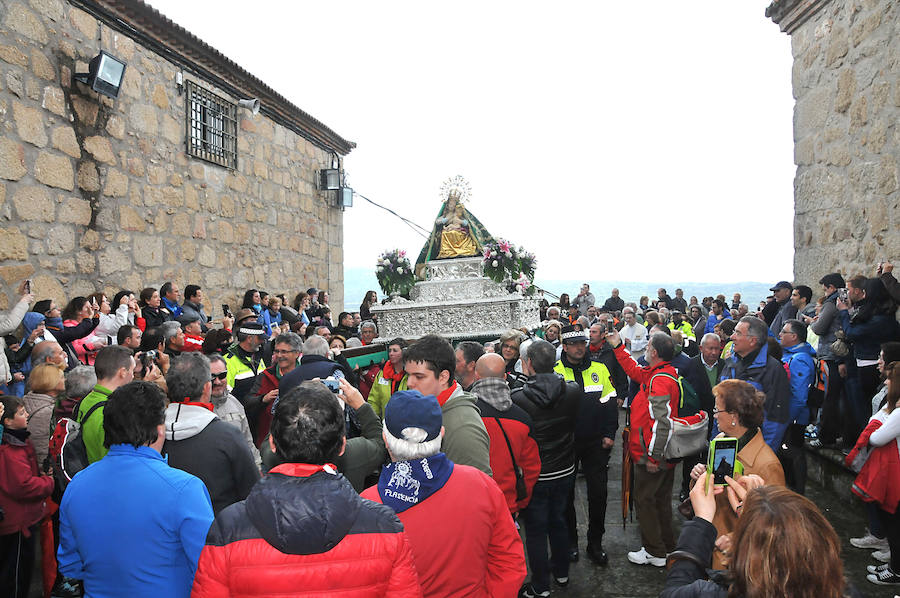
x=456 y=232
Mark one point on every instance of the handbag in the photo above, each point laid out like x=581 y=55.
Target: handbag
x=840 y=347
x=521 y=488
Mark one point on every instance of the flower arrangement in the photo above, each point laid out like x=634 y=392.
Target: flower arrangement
x=506 y=263
x=394 y=272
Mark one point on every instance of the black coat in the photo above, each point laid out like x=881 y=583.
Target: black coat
x=553 y=406
x=311 y=366
x=695 y=373
x=219 y=456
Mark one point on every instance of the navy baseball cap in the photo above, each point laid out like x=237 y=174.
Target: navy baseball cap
x=412 y=409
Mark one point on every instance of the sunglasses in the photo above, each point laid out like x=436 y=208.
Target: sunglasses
x=214 y=377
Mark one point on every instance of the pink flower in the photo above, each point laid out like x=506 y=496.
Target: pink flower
x=504 y=246
x=402 y=253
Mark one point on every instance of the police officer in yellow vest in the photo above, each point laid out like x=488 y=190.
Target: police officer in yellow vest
x=679 y=323
x=244 y=360
x=598 y=420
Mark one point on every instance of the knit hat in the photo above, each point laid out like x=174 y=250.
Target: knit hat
x=410 y=409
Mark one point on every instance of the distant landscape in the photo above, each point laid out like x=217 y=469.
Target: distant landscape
x=359 y=280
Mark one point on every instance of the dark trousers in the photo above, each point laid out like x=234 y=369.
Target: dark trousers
x=891 y=525
x=545 y=517
x=834 y=409
x=594 y=461
x=17 y=555
x=653 y=502
x=860 y=387
x=792 y=455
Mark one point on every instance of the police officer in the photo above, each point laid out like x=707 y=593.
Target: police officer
x=598 y=420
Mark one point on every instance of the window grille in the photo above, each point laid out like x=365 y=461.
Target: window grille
x=211 y=126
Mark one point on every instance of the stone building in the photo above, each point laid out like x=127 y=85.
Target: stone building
x=846 y=81
x=172 y=180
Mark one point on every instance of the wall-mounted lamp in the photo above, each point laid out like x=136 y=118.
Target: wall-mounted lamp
x=105 y=74
x=252 y=105
x=345 y=197
x=329 y=179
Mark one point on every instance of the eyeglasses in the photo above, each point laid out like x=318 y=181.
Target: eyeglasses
x=280 y=352
x=512 y=347
x=214 y=377
x=716 y=411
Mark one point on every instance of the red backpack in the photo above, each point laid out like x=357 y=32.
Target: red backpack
x=67 y=448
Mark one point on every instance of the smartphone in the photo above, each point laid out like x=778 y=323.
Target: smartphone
x=332 y=384
x=722 y=459
x=28 y=286
x=610 y=327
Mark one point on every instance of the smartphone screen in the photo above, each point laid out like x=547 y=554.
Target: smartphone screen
x=723 y=456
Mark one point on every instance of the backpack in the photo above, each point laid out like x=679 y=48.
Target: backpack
x=67 y=448
x=690 y=429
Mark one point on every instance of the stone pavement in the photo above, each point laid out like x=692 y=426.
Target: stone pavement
x=622 y=579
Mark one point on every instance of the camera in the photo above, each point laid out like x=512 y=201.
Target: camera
x=147 y=358
x=843 y=295
x=226 y=311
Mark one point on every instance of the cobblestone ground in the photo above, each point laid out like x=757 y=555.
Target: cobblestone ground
x=623 y=579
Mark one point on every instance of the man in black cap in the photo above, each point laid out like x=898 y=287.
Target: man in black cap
x=244 y=360
x=776 y=312
x=598 y=420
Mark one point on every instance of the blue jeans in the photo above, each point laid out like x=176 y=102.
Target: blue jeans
x=545 y=516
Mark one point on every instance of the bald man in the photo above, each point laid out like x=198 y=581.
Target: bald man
x=515 y=461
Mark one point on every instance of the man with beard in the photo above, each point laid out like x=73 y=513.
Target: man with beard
x=244 y=360
x=598 y=420
x=225 y=406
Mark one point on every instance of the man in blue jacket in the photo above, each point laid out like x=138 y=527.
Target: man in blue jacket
x=801 y=367
x=129 y=524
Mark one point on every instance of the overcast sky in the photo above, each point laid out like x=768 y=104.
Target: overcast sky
x=630 y=140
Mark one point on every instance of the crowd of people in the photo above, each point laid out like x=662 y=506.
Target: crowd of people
x=250 y=456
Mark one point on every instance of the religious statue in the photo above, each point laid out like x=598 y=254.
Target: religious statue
x=456 y=232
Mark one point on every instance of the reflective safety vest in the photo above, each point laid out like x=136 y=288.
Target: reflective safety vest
x=596 y=379
x=686 y=329
x=240 y=376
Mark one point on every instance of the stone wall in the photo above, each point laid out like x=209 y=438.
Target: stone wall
x=99 y=194
x=846 y=118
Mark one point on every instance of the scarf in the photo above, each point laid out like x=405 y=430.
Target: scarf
x=404 y=484
x=444 y=396
x=595 y=348
x=394 y=376
x=53 y=323
x=21 y=434
x=494 y=392
x=172 y=307
x=204 y=405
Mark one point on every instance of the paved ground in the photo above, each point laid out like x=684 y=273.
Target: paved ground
x=623 y=579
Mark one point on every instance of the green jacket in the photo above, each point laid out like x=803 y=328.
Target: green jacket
x=466 y=440
x=92 y=431
x=381 y=392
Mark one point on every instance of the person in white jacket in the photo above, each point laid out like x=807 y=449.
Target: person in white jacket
x=8 y=323
x=110 y=321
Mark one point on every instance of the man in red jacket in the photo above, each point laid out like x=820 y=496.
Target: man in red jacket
x=652 y=410
x=303 y=529
x=463 y=538
x=509 y=426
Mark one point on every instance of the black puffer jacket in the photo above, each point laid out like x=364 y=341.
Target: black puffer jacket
x=553 y=406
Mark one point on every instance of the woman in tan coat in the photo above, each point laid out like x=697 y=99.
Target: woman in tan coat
x=45 y=384
x=739 y=414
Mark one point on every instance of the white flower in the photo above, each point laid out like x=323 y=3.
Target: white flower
x=508 y=254
x=494 y=254
x=379 y=269
x=399 y=270
x=495 y=263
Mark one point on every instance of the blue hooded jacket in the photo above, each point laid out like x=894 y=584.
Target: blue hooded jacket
x=31 y=321
x=802 y=366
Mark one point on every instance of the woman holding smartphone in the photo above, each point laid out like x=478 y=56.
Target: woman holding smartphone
x=739 y=414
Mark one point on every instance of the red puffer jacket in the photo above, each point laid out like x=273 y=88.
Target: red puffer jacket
x=652 y=409
x=23 y=490
x=303 y=530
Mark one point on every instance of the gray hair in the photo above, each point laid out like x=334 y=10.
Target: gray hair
x=368 y=324
x=291 y=339
x=187 y=376
x=353 y=342
x=168 y=330
x=216 y=357
x=757 y=329
x=316 y=345
x=42 y=351
x=80 y=381
x=710 y=336
x=511 y=335
x=409 y=449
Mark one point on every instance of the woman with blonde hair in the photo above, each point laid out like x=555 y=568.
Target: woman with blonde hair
x=46 y=384
x=782 y=546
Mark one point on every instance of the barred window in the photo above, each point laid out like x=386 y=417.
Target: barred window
x=211 y=126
